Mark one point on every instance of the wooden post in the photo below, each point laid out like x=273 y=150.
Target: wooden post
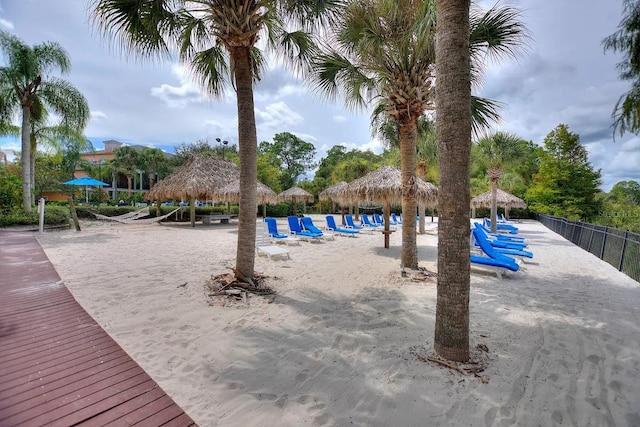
x=192 y=211
x=387 y=208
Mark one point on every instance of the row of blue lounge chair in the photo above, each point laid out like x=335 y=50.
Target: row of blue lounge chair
x=304 y=228
x=498 y=250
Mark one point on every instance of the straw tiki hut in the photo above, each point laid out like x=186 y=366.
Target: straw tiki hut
x=384 y=185
x=199 y=178
x=504 y=199
x=231 y=193
x=295 y=195
x=334 y=193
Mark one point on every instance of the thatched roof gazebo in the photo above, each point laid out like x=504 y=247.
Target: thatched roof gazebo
x=231 y=193
x=334 y=192
x=295 y=195
x=384 y=185
x=503 y=199
x=199 y=178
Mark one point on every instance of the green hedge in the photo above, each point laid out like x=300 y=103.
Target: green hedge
x=53 y=215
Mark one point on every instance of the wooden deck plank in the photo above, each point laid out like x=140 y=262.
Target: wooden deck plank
x=145 y=408
x=110 y=369
x=58 y=367
x=121 y=401
x=113 y=355
x=50 y=360
x=179 y=421
x=162 y=417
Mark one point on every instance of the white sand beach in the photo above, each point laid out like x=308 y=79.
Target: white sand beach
x=337 y=346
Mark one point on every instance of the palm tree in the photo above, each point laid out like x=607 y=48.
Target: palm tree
x=71 y=148
x=24 y=88
x=498 y=149
x=626 y=113
x=217 y=39
x=126 y=160
x=384 y=50
x=50 y=136
x=453 y=131
x=153 y=161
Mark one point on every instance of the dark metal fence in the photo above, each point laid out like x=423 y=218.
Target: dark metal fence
x=617 y=247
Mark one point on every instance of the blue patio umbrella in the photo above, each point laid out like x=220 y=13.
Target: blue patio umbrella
x=86 y=181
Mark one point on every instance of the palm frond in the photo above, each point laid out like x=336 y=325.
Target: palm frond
x=483 y=112
x=498 y=33
x=140 y=26
x=67 y=101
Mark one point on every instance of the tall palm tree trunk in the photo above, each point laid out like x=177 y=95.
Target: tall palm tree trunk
x=494 y=172
x=408 y=133
x=248 y=152
x=32 y=172
x=453 y=132
x=494 y=206
x=26 y=157
x=129 y=184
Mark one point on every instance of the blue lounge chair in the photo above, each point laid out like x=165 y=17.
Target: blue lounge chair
x=497 y=243
x=510 y=250
x=492 y=257
x=395 y=219
x=307 y=224
x=331 y=225
x=380 y=220
x=505 y=237
x=348 y=219
x=364 y=219
x=296 y=229
x=272 y=228
x=507 y=228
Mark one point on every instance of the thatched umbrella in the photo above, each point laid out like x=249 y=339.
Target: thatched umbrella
x=503 y=199
x=199 y=178
x=231 y=193
x=384 y=185
x=295 y=194
x=335 y=194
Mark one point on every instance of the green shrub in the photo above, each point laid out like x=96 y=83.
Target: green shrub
x=11 y=194
x=279 y=210
x=56 y=215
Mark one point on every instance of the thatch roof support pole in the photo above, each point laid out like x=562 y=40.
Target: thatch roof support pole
x=387 y=232
x=421 y=208
x=192 y=211
x=473 y=212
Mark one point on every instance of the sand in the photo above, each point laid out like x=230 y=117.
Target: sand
x=338 y=346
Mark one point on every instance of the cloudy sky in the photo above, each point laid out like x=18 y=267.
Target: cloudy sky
x=564 y=77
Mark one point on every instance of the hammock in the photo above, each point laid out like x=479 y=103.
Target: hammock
x=149 y=220
x=124 y=217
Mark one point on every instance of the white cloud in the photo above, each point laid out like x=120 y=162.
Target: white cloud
x=6 y=24
x=277 y=116
x=98 y=115
x=178 y=96
x=340 y=119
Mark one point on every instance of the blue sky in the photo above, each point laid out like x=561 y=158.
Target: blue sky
x=564 y=77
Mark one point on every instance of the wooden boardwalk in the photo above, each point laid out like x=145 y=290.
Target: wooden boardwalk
x=58 y=367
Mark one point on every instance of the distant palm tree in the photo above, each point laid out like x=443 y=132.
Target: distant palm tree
x=218 y=40
x=498 y=149
x=126 y=160
x=384 y=51
x=50 y=136
x=26 y=86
